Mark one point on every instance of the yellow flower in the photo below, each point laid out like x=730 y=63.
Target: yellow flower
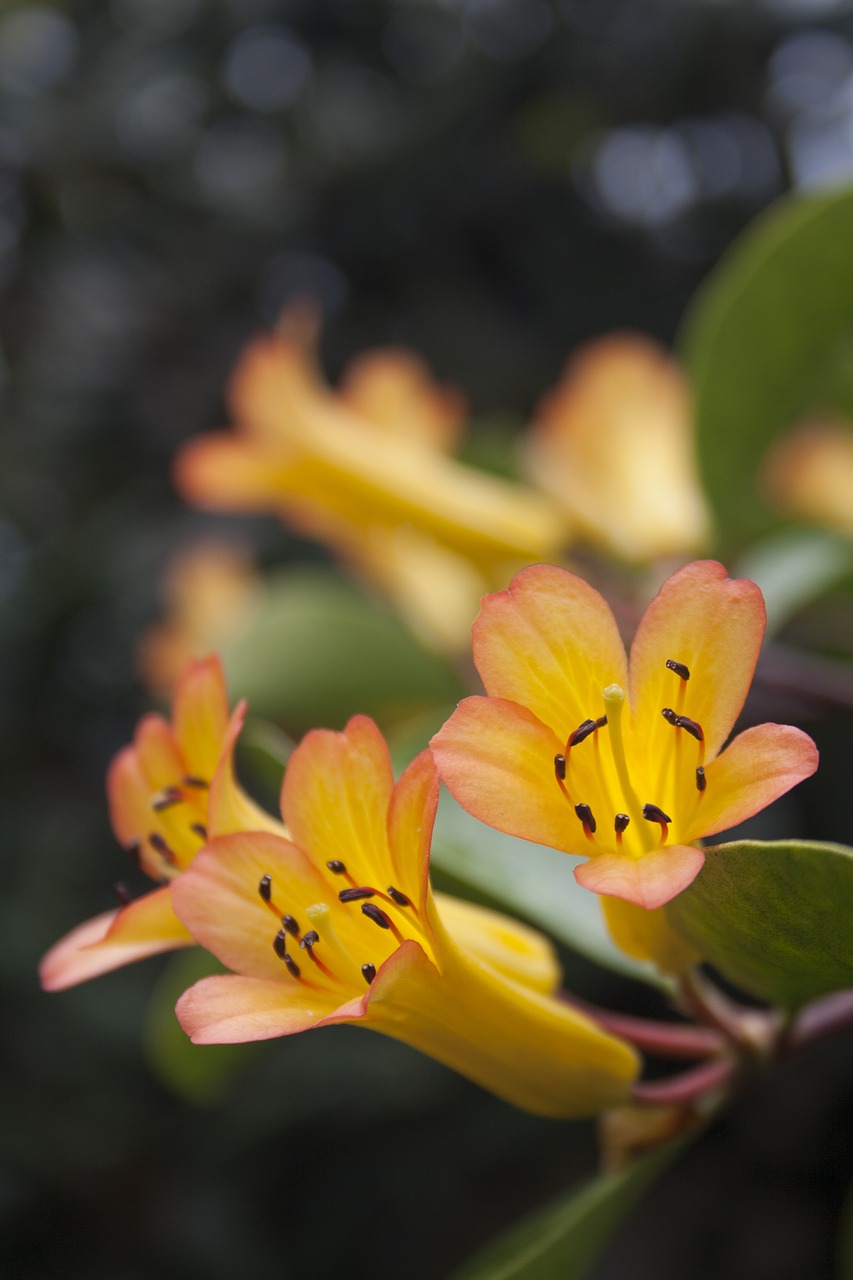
x=621 y=764
x=613 y=443
x=808 y=474
x=365 y=472
x=338 y=924
x=167 y=792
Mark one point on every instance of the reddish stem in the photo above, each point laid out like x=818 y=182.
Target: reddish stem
x=819 y=1021
x=666 y=1039
x=688 y=1086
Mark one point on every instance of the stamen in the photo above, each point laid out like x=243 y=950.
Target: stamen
x=398 y=897
x=200 y=829
x=157 y=842
x=123 y=894
x=336 y=867
x=291 y=966
x=369 y=971
x=311 y=938
x=376 y=914
x=693 y=727
x=134 y=851
x=669 y=716
x=679 y=668
x=341 y=965
x=586 y=816
x=560 y=767
x=701 y=782
x=620 y=824
x=652 y=813
x=290 y=926
x=166 y=798
x=354 y=894
x=279 y=944
x=265 y=887
x=192 y=781
x=582 y=731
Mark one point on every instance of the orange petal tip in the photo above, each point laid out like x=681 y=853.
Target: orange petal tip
x=650 y=881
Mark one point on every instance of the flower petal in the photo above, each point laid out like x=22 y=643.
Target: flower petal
x=335 y=799
x=497 y=760
x=115 y=938
x=217 y=898
x=229 y=1009
x=229 y=808
x=647 y=935
x=200 y=716
x=714 y=625
x=505 y=944
x=226 y=473
x=394 y=389
x=411 y=817
x=759 y=766
x=649 y=881
x=550 y=643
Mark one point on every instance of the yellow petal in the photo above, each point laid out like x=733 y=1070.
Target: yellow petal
x=394 y=389
x=200 y=715
x=505 y=944
x=230 y=1009
x=647 y=935
x=809 y=474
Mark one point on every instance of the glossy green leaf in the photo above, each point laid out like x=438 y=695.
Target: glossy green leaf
x=529 y=881
x=563 y=1240
x=768 y=340
x=774 y=917
x=319 y=651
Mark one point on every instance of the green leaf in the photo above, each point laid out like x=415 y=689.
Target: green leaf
x=529 y=881
x=768 y=340
x=563 y=1240
x=793 y=567
x=773 y=917
x=319 y=651
x=199 y=1073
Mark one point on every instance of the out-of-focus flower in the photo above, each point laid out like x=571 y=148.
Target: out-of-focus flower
x=613 y=443
x=621 y=764
x=167 y=792
x=211 y=590
x=808 y=474
x=365 y=471
x=340 y=925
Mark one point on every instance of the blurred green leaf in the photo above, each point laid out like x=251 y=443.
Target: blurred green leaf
x=319 y=651
x=767 y=340
x=793 y=567
x=532 y=882
x=774 y=917
x=562 y=1241
x=199 y=1073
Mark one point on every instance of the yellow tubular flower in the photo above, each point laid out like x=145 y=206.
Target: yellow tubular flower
x=365 y=472
x=613 y=443
x=338 y=924
x=808 y=474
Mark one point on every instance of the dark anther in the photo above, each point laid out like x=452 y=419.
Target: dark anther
x=167 y=797
x=199 y=783
x=701 y=784
x=353 y=895
x=336 y=867
x=669 y=715
x=369 y=972
x=290 y=926
x=398 y=897
x=620 y=822
x=200 y=829
x=601 y=722
x=693 y=727
x=123 y=894
x=679 y=668
x=290 y=965
x=376 y=914
x=582 y=731
x=134 y=849
x=560 y=767
x=585 y=814
x=157 y=842
x=265 y=887
x=279 y=944
x=311 y=938
x=652 y=813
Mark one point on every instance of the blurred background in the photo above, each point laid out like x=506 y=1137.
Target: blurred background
x=489 y=182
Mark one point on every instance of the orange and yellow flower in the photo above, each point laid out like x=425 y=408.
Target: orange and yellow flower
x=338 y=924
x=621 y=763
x=613 y=444
x=168 y=791
x=808 y=474
x=366 y=472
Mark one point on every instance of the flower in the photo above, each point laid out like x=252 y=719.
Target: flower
x=366 y=472
x=620 y=763
x=212 y=590
x=166 y=792
x=613 y=443
x=808 y=473
x=338 y=924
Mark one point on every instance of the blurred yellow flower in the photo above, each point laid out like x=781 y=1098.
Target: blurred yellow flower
x=613 y=443
x=808 y=473
x=365 y=471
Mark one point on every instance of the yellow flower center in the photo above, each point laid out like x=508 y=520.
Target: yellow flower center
x=178 y=829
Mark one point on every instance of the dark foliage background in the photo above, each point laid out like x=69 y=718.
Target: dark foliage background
x=489 y=181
